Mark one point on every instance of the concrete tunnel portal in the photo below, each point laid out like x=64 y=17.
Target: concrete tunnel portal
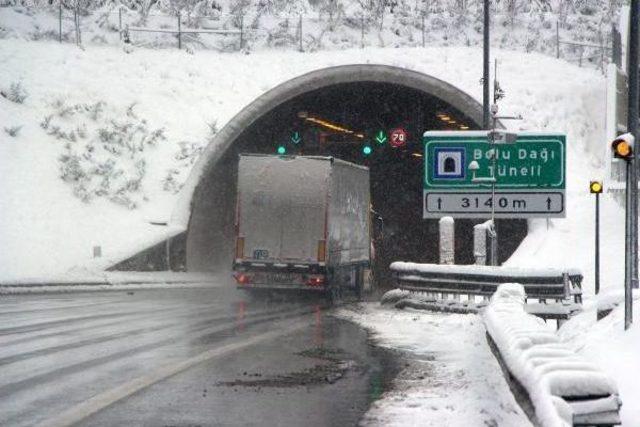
x=336 y=112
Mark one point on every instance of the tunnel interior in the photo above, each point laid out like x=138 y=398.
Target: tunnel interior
x=354 y=122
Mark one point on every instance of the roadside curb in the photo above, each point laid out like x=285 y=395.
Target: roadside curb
x=125 y=281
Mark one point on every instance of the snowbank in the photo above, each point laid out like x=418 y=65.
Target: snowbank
x=614 y=350
x=548 y=369
x=393 y=296
x=449 y=376
x=79 y=281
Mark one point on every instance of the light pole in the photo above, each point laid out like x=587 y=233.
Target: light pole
x=595 y=187
x=623 y=148
x=632 y=128
x=485 y=68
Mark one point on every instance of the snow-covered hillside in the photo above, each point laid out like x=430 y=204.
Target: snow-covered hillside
x=47 y=229
x=311 y=25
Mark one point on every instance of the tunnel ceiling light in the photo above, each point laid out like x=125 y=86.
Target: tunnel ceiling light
x=444 y=118
x=334 y=126
x=451 y=122
x=416 y=154
x=464 y=127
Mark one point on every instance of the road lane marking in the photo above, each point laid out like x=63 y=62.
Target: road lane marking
x=9 y=387
x=101 y=401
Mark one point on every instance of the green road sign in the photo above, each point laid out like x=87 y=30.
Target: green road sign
x=460 y=172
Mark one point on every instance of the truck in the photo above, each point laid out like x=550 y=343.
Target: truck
x=302 y=223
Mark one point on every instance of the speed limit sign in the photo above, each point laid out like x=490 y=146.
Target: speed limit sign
x=398 y=137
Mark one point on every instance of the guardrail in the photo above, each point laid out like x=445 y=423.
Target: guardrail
x=558 y=293
x=552 y=383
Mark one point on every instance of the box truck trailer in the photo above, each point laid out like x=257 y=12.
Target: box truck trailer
x=302 y=223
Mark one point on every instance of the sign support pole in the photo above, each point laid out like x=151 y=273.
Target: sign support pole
x=628 y=298
x=632 y=126
x=631 y=266
x=485 y=68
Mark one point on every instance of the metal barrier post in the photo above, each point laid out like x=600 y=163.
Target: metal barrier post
x=557 y=40
x=447 y=240
x=241 y=31
x=300 y=32
x=179 y=32
x=480 y=244
x=493 y=244
x=60 y=22
x=120 y=22
x=75 y=23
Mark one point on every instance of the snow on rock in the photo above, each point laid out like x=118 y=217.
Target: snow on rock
x=546 y=367
x=393 y=296
x=449 y=377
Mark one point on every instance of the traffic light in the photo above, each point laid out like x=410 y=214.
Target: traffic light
x=367 y=150
x=622 y=147
x=595 y=187
x=282 y=150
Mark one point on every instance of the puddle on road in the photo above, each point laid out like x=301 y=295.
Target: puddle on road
x=340 y=349
x=332 y=366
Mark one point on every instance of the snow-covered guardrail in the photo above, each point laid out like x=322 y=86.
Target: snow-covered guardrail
x=563 y=388
x=435 y=282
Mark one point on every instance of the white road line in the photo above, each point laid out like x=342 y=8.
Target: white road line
x=91 y=406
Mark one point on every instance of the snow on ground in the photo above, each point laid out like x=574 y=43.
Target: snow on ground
x=613 y=349
x=46 y=230
x=452 y=378
x=545 y=366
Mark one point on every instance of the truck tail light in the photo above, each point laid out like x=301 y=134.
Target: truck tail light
x=315 y=281
x=322 y=250
x=242 y=278
x=239 y=247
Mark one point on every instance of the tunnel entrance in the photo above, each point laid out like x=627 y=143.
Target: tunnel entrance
x=353 y=119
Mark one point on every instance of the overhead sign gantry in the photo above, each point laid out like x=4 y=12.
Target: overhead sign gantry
x=474 y=174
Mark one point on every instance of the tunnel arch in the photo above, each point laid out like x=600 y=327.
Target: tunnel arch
x=207 y=186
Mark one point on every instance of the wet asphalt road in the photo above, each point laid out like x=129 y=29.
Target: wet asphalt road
x=182 y=357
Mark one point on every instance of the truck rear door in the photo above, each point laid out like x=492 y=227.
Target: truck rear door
x=281 y=212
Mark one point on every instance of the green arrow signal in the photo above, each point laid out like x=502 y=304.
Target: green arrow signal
x=296 y=138
x=381 y=138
